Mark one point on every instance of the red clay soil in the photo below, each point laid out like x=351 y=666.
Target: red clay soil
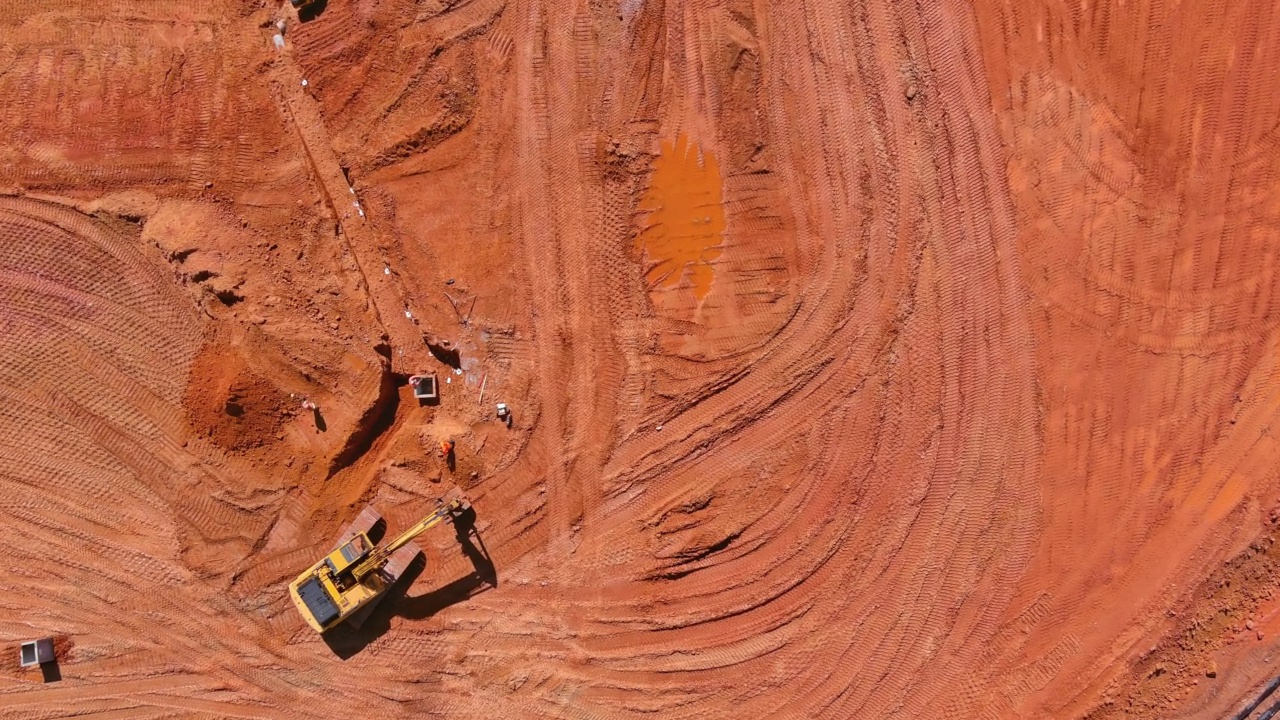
x=866 y=360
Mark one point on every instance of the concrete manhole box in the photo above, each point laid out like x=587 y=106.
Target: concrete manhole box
x=37 y=652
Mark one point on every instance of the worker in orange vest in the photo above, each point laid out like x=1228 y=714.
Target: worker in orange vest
x=446 y=447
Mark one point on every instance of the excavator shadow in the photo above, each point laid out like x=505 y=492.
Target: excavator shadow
x=346 y=641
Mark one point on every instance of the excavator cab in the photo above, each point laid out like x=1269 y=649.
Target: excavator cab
x=346 y=556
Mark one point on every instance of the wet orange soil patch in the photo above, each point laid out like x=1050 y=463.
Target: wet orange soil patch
x=684 y=229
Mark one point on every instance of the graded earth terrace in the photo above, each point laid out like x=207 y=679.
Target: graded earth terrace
x=639 y=358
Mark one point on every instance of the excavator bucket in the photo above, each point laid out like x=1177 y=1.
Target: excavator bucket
x=455 y=496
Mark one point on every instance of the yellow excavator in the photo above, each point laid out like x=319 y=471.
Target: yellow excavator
x=347 y=583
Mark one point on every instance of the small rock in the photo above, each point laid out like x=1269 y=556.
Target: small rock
x=334 y=324
x=911 y=92
x=1248 y=624
x=449 y=281
x=1261 y=634
x=257 y=320
x=1212 y=670
x=474 y=474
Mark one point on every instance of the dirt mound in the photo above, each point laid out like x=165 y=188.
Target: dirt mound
x=231 y=405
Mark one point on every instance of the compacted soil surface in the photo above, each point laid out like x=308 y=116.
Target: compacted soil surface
x=865 y=359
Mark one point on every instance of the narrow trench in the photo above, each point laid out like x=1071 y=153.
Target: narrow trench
x=446 y=355
x=381 y=421
x=377 y=421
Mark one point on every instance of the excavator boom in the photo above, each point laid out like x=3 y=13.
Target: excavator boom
x=379 y=556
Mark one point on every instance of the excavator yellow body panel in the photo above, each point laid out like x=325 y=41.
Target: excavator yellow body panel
x=324 y=600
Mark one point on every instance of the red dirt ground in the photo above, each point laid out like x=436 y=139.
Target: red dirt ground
x=866 y=359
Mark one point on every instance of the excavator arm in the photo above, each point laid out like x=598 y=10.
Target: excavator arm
x=376 y=559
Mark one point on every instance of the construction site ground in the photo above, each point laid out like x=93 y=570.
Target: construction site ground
x=865 y=359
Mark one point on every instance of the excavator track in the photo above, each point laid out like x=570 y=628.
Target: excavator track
x=364 y=522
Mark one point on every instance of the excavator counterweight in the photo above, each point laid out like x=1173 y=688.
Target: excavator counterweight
x=355 y=574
